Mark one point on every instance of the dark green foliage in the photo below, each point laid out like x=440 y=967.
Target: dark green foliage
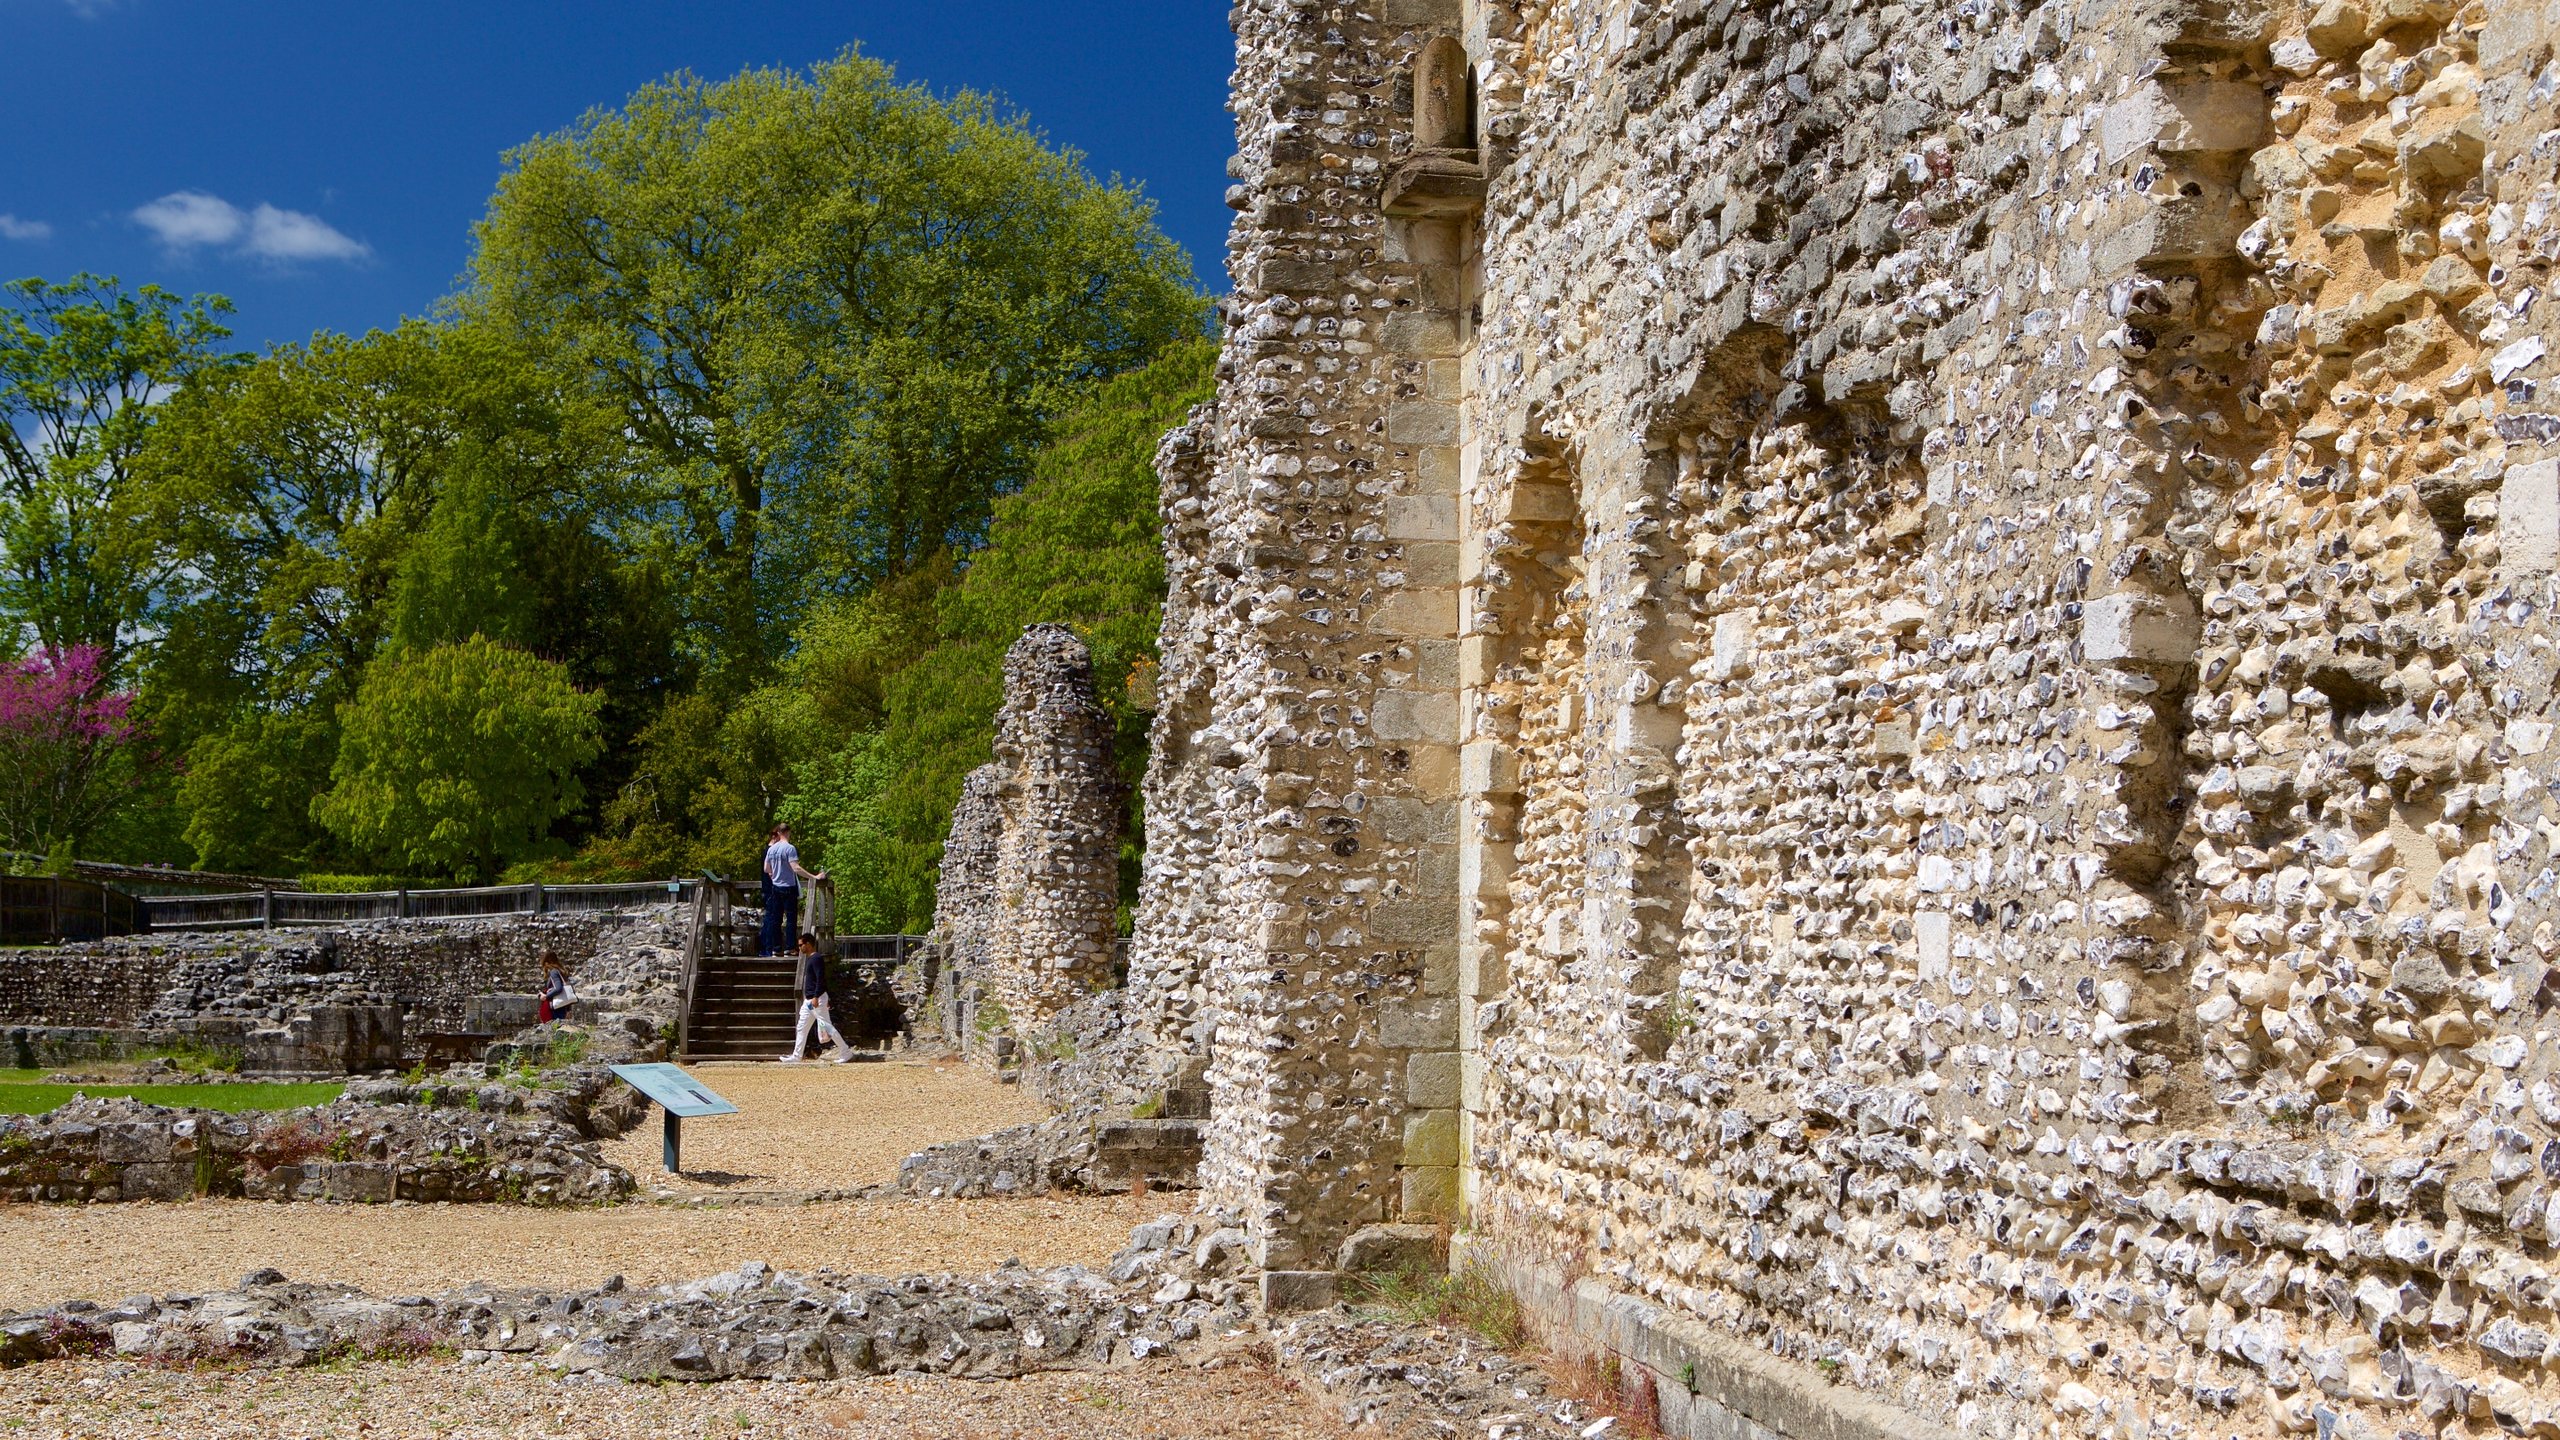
x=915 y=685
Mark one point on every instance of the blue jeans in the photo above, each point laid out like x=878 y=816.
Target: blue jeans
x=781 y=932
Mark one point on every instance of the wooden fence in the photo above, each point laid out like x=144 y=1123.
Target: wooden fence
x=43 y=910
x=269 y=908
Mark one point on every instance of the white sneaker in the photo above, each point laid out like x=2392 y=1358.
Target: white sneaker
x=844 y=1055
x=790 y=1060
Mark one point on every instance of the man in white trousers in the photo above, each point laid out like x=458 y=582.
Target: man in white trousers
x=814 y=1007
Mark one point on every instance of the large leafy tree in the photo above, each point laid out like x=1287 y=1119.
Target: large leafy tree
x=912 y=678
x=839 y=311
x=83 y=365
x=334 y=502
x=456 y=760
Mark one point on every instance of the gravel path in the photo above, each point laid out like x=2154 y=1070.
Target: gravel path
x=823 y=1126
x=440 y=1398
x=50 y=1253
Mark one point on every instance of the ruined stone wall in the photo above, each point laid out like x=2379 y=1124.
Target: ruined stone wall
x=431 y=969
x=1026 y=911
x=1057 y=873
x=2003 y=570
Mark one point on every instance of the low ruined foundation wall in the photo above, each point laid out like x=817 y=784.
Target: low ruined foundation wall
x=430 y=969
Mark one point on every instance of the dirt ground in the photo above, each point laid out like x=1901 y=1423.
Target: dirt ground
x=443 y=1398
x=801 y=1129
x=822 y=1126
x=50 y=1253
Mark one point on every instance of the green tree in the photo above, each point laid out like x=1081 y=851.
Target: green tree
x=82 y=367
x=912 y=681
x=337 y=501
x=839 y=311
x=456 y=760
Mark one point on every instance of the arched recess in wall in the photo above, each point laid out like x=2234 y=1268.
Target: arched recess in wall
x=1797 y=528
x=1534 y=711
x=1444 y=96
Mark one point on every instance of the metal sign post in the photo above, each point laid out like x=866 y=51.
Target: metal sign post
x=680 y=1095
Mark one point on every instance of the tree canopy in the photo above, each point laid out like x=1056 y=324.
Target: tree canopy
x=837 y=311
x=768 y=412
x=455 y=760
x=81 y=364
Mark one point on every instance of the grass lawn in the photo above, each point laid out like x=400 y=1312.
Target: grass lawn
x=18 y=1097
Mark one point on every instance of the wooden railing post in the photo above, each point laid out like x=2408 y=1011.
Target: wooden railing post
x=53 y=907
x=267 y=908
x=541 y=899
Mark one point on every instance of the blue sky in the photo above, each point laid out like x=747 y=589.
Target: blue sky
x=322 y=163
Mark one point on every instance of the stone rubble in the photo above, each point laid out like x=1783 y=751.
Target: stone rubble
x=1175 y=1285
x=119 y=1149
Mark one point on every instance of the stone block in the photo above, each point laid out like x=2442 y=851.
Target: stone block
x=1418 y=612
x=1932 y=929
x=1164 y=1152
x=1484 y=869
x=1296 y=277
x=1392 y=1249
x=1893 y=739
x=1423 y=1025
x=2205 y=227
x=1406 y=821
x=1431 y=1138
x=1432 y=564
x=1431 y=1079
x=1487 y=767
x=1415 y=715
x=1447 y=14
x=1421 y=332
x=1429 y=1191
x=1422 y=422
x=1729 y=643
x=2529 y=520
x=1534 y=504
x=1414 y=921
x=2131 y=627
x=1295 y=1292
x=1422 y=517
x=2203 y=115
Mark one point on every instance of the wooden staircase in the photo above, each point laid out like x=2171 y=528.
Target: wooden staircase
x=745 y=1007
x=742 y=1006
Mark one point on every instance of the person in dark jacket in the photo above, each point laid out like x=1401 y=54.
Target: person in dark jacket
x=814 y=1009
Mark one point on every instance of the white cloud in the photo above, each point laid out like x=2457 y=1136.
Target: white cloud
x=191 y=219
x=13 y=228
x=91 y=9
x=291 y=235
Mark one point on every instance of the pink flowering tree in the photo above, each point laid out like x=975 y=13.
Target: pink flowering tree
x=67 y=748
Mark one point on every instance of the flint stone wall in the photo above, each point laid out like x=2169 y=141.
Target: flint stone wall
x=1027 y=904
x=1882 y=674
x=99 y=1150
x=430 y=969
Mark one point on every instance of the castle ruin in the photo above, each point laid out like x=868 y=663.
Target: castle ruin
x=1873 y=684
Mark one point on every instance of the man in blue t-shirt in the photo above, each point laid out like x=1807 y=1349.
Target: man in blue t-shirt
x=782 y=877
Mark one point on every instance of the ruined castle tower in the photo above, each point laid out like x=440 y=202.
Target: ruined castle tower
x=1057 y=853
x=1880 y=674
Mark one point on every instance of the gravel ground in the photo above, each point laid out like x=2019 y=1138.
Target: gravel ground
x=821 y=1126
x=50 y=1253
x=440 y=1398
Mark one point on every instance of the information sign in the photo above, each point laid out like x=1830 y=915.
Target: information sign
x=680 y=1093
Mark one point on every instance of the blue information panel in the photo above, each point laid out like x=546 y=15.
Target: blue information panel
x=680 y=1093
